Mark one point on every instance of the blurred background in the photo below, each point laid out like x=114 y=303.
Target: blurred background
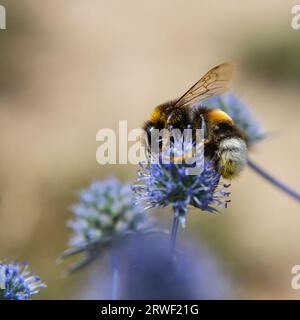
x=72 y=67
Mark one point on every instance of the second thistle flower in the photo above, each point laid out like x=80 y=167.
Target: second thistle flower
x=105 y=211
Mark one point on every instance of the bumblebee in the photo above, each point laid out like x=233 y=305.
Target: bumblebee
x=224 y=143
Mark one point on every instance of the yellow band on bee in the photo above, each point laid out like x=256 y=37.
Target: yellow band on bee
x=217 y=115
x=155 y=115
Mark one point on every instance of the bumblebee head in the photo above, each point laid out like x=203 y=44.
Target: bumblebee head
x=170 y=116
x=157 y=115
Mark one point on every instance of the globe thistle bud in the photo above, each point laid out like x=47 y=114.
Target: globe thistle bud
x=105 y=211
x=161 y=184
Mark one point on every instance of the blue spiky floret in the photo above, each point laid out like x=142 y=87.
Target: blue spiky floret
x=161 y=184
x=17 y=282
x=105 y=211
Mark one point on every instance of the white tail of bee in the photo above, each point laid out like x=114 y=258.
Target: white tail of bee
x=233 y=156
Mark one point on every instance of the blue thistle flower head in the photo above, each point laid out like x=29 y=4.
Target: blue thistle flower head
x=161 y=184
x=105 y=211
x=17 y=282
x=240 y=114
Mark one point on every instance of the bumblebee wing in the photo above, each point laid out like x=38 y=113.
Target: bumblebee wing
x=215 y=82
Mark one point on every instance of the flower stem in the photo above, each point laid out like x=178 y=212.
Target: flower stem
x=114 y=273
x=176 y=221
x=282 y=186
x=174 y=233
